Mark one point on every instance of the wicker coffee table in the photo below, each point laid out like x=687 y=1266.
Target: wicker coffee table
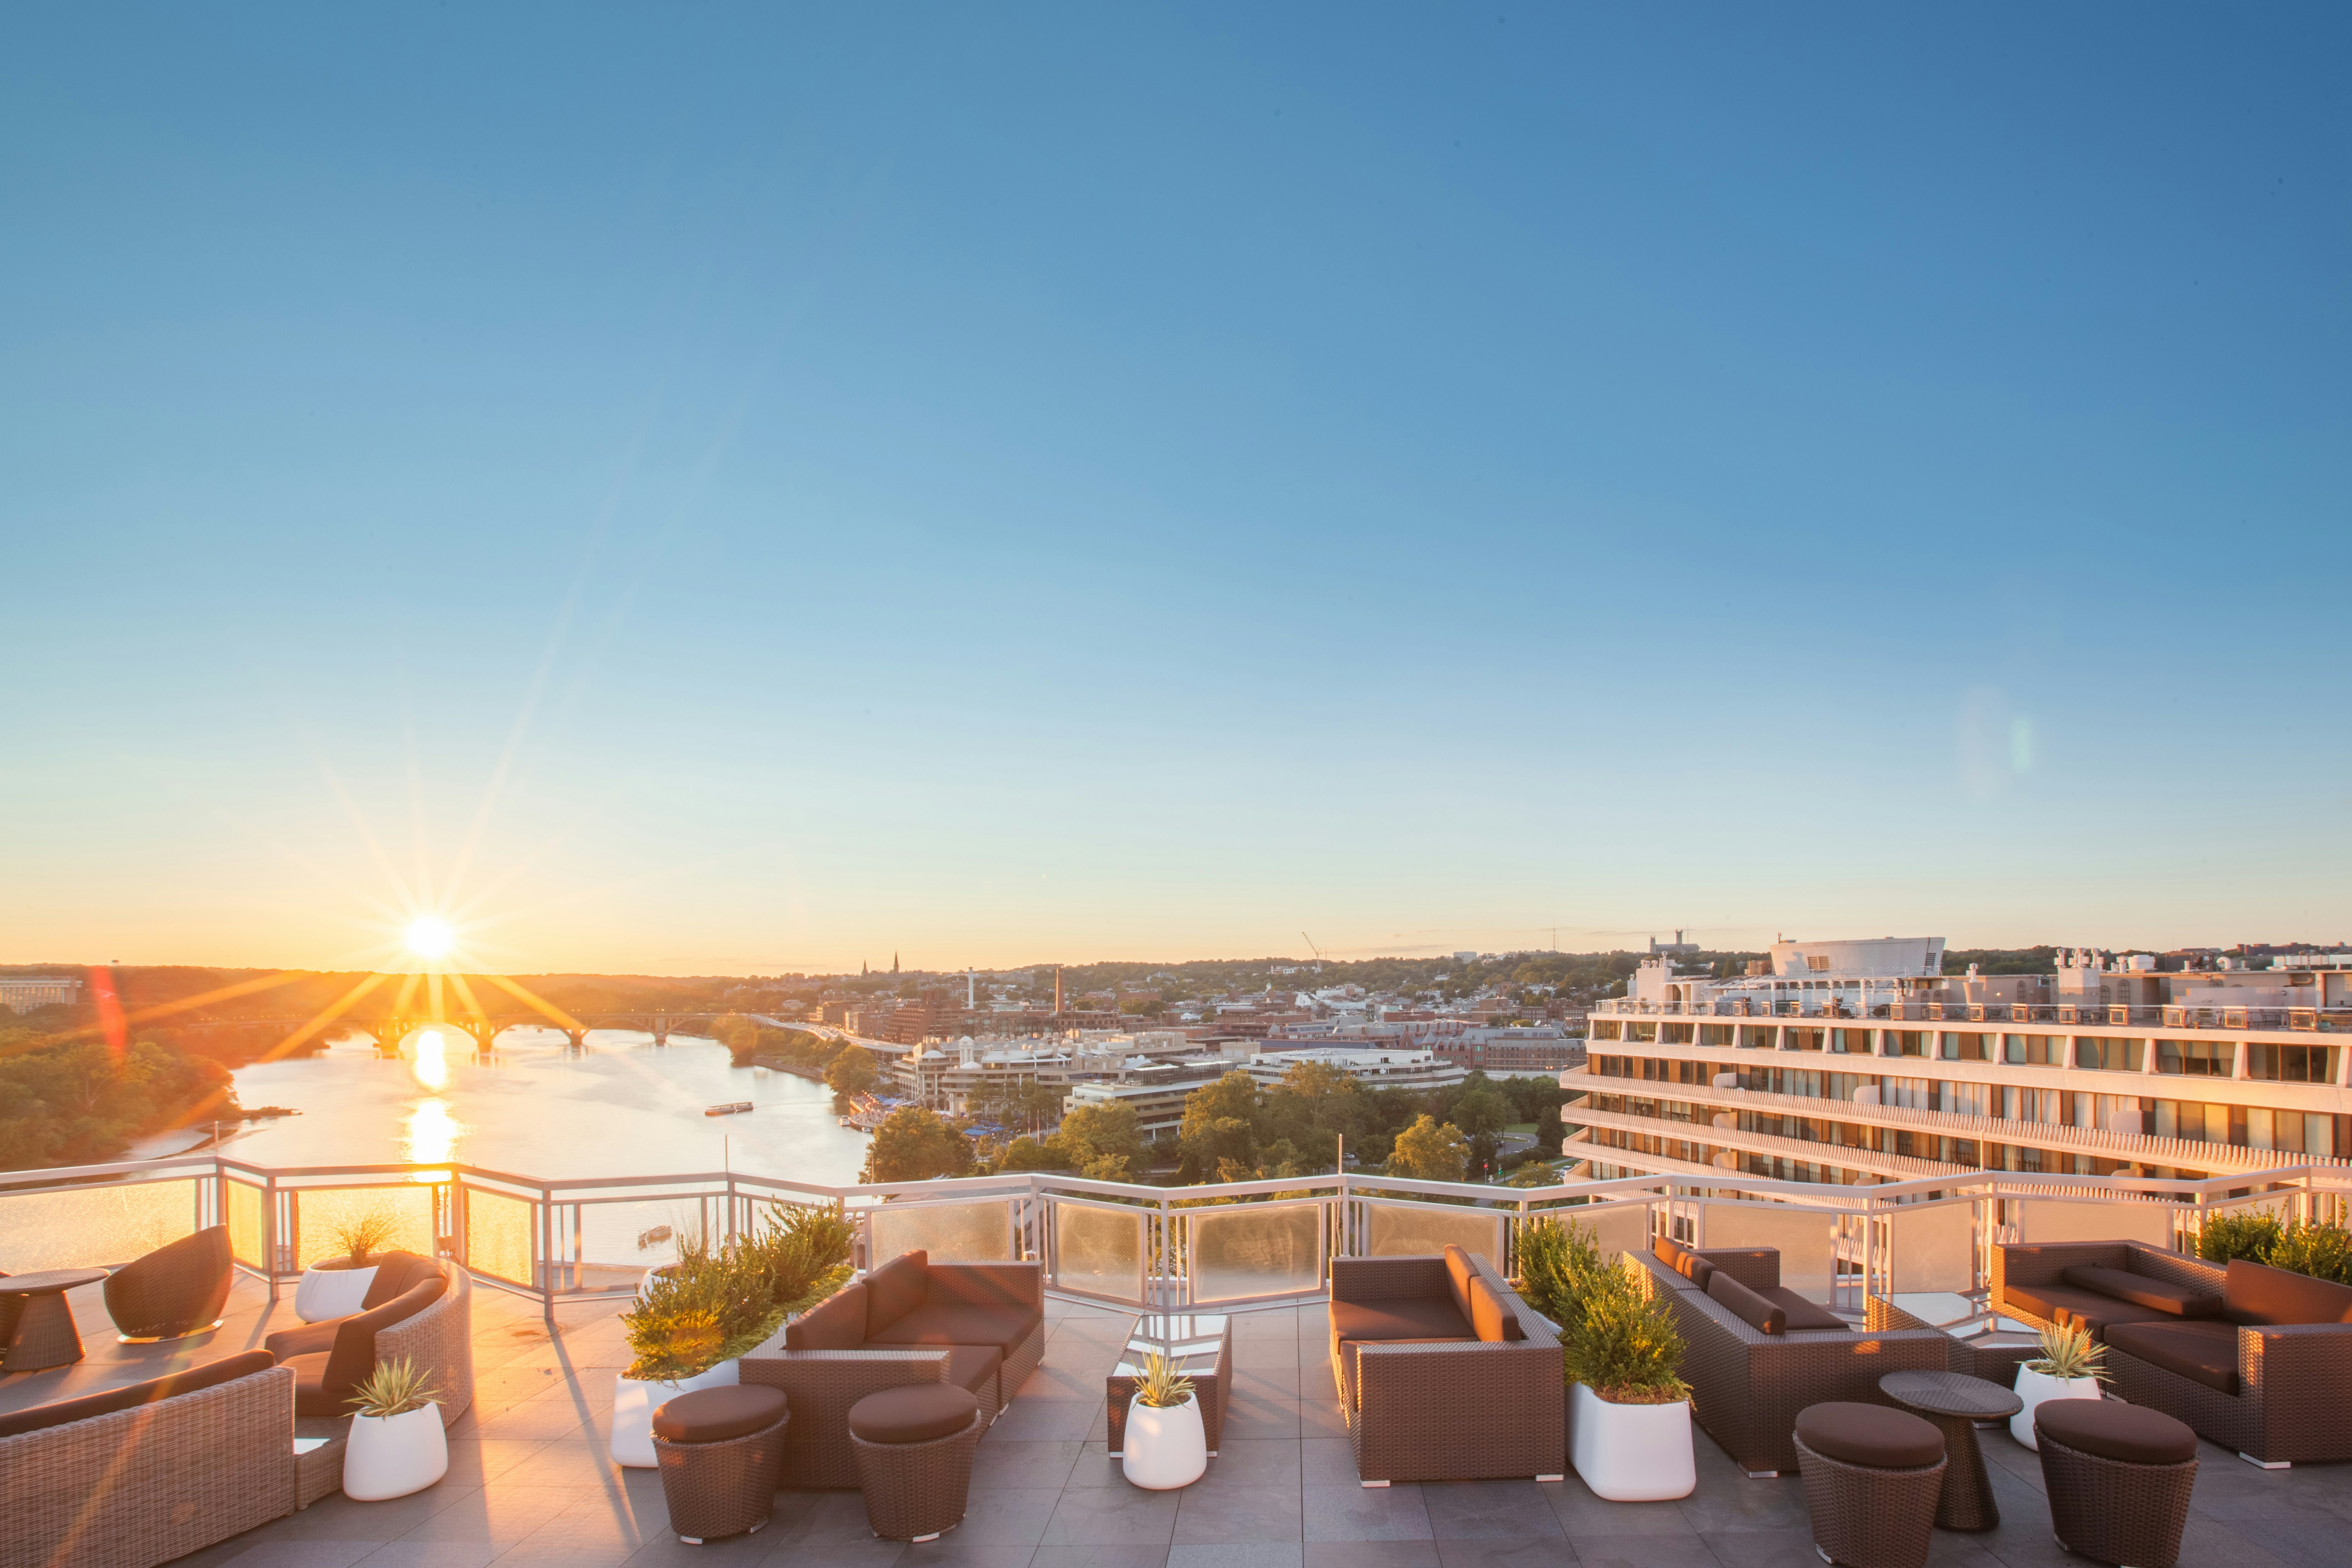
x=1202 y=1346
x=45 y=1334
x=1956 y=1403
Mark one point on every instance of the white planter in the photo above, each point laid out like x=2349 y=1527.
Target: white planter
x=633 y=1403
x=1165 y=1446
x=2035 y=1387
x=332 y=1290
x=393 y=1456
x=1631 y=1453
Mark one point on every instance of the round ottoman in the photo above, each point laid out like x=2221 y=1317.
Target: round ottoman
x=2118 y=1477
x=914 y=1447
x=1872 y=1477
x=720 y=1452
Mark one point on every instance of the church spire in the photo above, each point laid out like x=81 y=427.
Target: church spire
x=894 y=961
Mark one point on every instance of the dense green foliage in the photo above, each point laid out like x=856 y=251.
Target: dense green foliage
x=716 y=1303
x=1102 y=1142
x=1617 y=1341
x=79 y=1103
x=913 y=1145
x=1430 y=1151
x=1233 y=1131
x=2248 y=1234
x=2322 y=1251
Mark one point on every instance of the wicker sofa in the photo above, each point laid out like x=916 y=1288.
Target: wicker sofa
x=1749 y=1377
x=141 y=1475
x=980 y=1325
x=416 y=1309
x=176 y=1290
x=2256 y=1359
x=1444 y=1374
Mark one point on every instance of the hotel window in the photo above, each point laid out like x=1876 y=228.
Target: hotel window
x=1851 y=1042
x=1802 y=1039
x=2196 y=1058
x=2291 y=1063
x=2111 y=1055
x=1715 y=1033
x=1906 y=1043
x=1605 y=1029
x=2033 y=1050
x=1963 y=1048
x=1760 y=1037
x=1642 y=1032
x=1675 y=1034
x=1819 y=963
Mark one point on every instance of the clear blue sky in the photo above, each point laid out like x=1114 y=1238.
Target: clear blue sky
x=1014 y=484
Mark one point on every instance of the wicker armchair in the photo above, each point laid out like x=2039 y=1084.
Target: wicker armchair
x=333 y=1358
x=1452 y=1409
x=1748 y=1386
x=173 y=1291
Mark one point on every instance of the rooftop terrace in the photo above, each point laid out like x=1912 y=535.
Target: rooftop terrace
x=530 y=1482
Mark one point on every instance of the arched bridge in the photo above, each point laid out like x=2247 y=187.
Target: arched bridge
x=389 y=1029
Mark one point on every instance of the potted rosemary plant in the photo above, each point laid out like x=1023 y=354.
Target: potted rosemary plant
x=1166 y=1446
x=396 y=1444
x=2069 y=1367
x=337 y=1287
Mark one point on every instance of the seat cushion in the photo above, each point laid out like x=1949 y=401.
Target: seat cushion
x=2257 y=1293
x=1871 y=1436
x=1400 y=1320
x=894 y=1289
x=2157 y=1295
x=2114 y=1430
x=1796 y=1313
x=1492 y=1317
x=716 y=1414
x=913 y=1412
x=835 y=1324
x=131 y=1395
x=2202 y=1350
x=951 y=1323
x=976 y=1367
x=309 y=1340
x=1747 y=1306
x=311 y=1395
x=2075 y=1307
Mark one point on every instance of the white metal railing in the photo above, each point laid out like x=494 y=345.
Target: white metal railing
x=1829 y=1007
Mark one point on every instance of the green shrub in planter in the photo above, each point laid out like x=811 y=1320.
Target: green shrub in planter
x=804 y=1251
x=707 y=1307
x=2225 y=1236
x=1558 y=1258
x=2322 y=1251
x=1622 y=1344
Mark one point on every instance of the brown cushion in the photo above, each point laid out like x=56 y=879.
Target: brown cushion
x=2256 y=1293
x=396 y=1274
x=2202 y=1350
x=951 y=1323
x=1750 y=1308
x=1459 y=1272
x=835 y=1324
x=1404 y=1320
x=353 y=1360
x=913 y=1412
x=2157 y=1295
x=131 y=1395
x=1757 y=1267
x=1870 y=1434
x=2075 y=1307
x=894 y=1289
x=974 y=1367
x=310 y=1338
x=311 y=1395
x=1796 y=1313
x=1491 y=1316
x=715 y=1415
x=1689 y=1265
x=2114 y=1430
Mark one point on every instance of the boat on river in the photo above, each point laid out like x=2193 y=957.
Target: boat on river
x=732 y=1108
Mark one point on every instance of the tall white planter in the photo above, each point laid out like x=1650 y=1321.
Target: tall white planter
x=332 y=1290
x=393 y=1456
x=635 y=1401
x=1631 y=1453
x=1165 y=1445
x=2035 y=1387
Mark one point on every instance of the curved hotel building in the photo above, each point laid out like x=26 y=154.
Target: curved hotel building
x=1861 y=1061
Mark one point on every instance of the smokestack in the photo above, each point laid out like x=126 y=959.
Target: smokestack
x=1058 y=991
x=968 y=1002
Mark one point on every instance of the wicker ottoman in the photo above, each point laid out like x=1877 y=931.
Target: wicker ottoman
x=914 y=1446
x=1871 y=1478
x=2118 y=1477
x=720 y=1451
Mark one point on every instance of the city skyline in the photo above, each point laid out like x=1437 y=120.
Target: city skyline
x=734 y=493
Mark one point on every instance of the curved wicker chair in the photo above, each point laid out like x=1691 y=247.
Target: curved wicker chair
x=333 y=1358
x=173 y=1291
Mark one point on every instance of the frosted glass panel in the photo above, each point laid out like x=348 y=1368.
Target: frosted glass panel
x=1257 y=1249
x=93 y=1226
x=1098 y=1250
x=952 y=1233
x=2048 y=1219
x=1807 y=1239
x=323 y=1219
x=1935 y=1248
x=245 y=1222
x=1617 y=1228
x=498 y=1235
x=1412 y=1230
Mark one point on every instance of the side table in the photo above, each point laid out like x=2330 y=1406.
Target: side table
x=1200 y=1344
x=1956 y=1403
x=45 y=1335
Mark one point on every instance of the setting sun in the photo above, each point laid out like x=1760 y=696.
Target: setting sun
x=430 y=938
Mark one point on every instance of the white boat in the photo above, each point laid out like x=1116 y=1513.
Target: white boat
x=731 y=1108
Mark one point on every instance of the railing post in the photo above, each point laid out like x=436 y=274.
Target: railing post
x=546 y=1270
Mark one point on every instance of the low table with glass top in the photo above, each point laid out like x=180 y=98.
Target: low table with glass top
x=1200 y=1346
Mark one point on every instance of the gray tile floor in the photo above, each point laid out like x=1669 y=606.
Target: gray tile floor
x=528 y=1481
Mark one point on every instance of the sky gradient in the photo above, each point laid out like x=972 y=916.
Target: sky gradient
x=742 y=491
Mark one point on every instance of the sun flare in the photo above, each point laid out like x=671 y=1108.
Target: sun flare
x=430 y=937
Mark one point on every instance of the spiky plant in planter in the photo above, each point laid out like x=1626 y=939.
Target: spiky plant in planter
x=1161 y=1387
x=364 y=1235
x=395 y=1388
x=2068 y=1353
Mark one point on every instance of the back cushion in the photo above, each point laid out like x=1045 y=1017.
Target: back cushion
x=835 y=1324
x=353 y=1358
x=1458 y=1275
x=1757 y=1267
x=1490 y=1315
x=1692 y=1266
x=396 y=1273
x=2141 y=1291
x=897 y=1289
x=2258 y=1294
x=1745 y=1304
x=210 y=1375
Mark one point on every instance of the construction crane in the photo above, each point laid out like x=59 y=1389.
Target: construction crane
x=1312 y=947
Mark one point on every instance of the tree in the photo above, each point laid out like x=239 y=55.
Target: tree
x=1482 y=1110
x=1220 y=1125
x=1431 y=1152
x=1104 y=1142
x=914 y=1145
x=850 y=1073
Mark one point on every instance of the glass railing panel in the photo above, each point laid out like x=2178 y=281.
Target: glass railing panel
x=952 y=1233
x=1393 y=1229
x=327 y=1218
x=631 y=1237
x=1806 y=1237
x=2060 y=1219
x=499 y=1239
x=1098 y=1250
x=86 y=1228
x=1255 y=1249
x=1932 y=1248
x=1616 y=1228
x=246 y=1231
